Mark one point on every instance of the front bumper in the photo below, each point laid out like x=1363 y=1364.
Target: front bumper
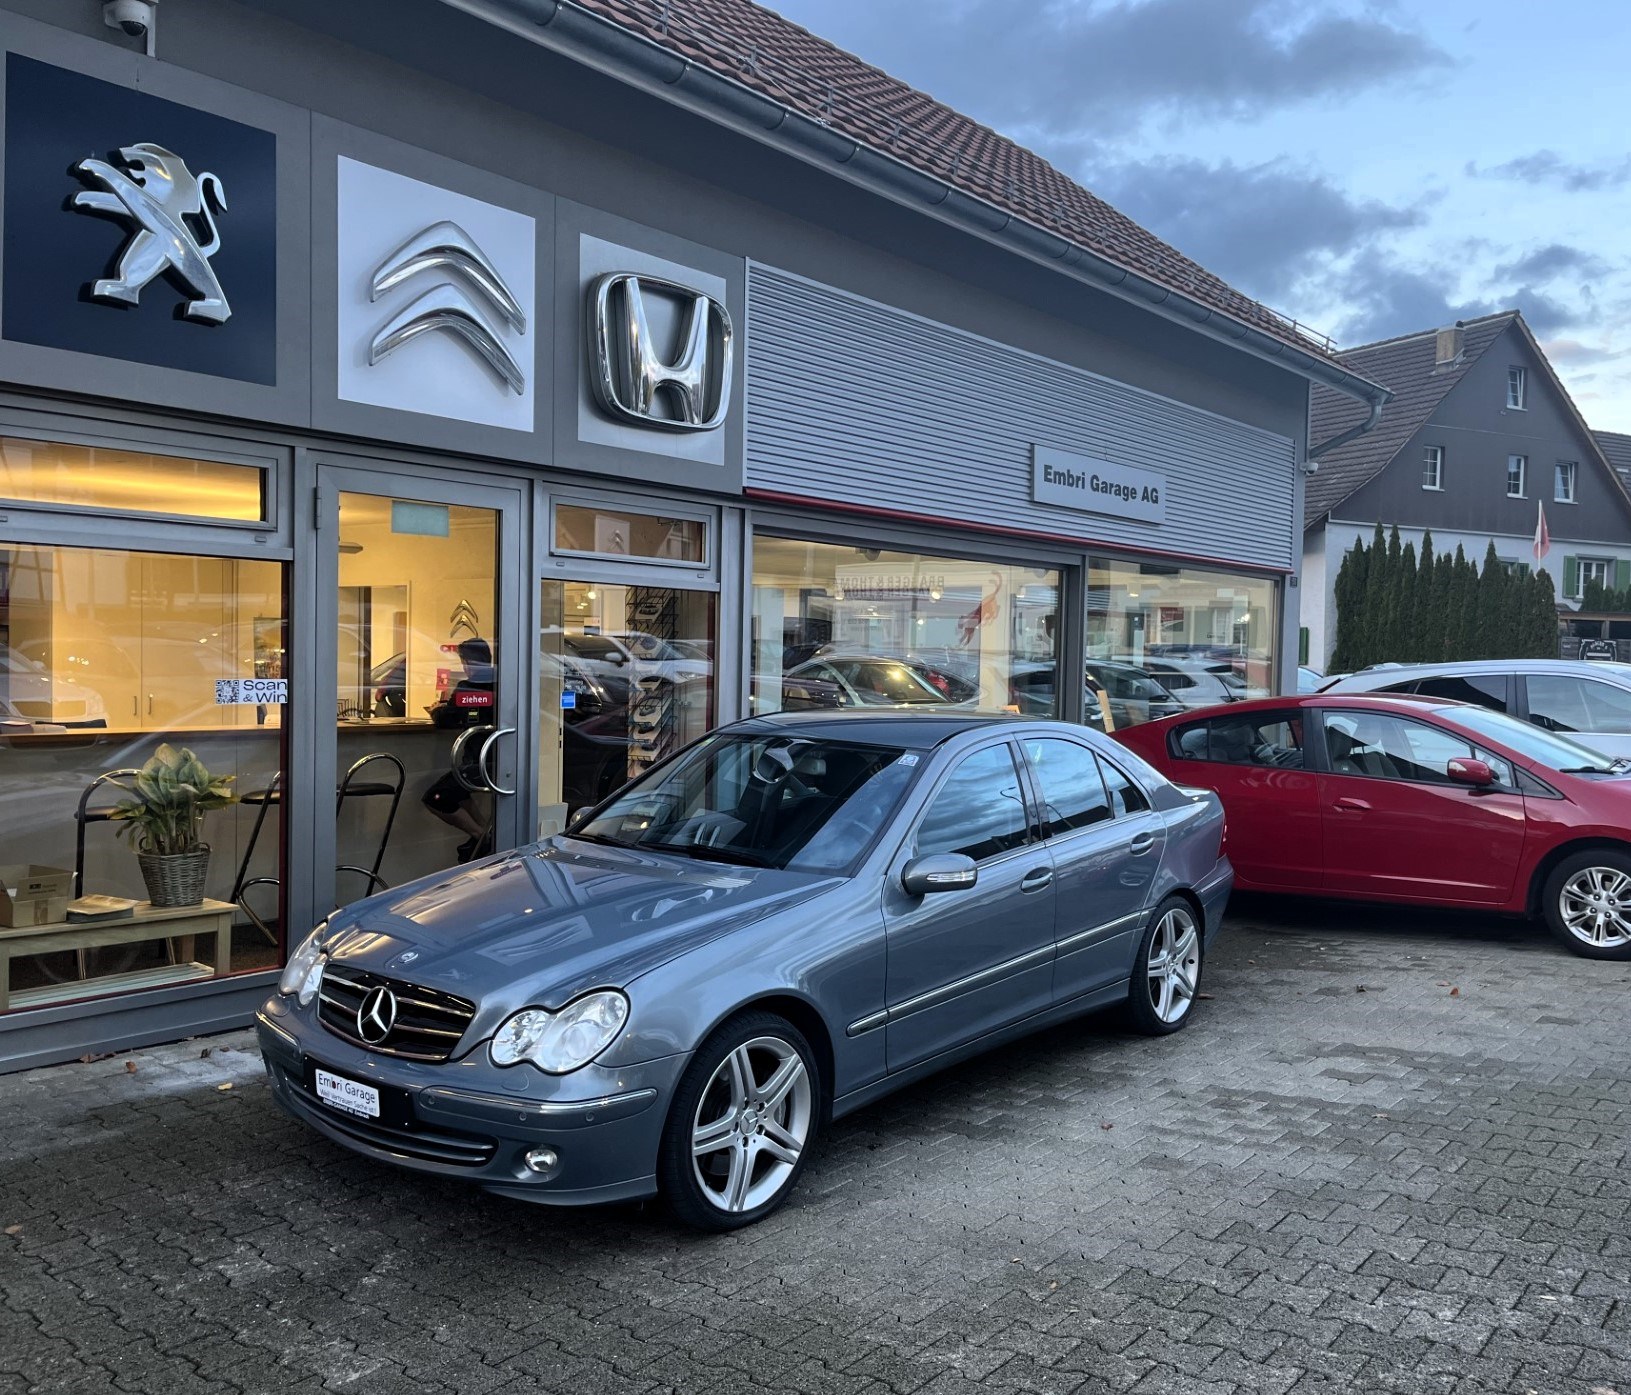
x=472 y=1120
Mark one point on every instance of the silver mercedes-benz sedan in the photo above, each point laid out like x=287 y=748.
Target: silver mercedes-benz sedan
x=788 y=919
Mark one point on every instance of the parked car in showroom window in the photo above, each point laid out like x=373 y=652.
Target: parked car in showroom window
x=1414 y=799
x=1590 y=702
x=794 y=916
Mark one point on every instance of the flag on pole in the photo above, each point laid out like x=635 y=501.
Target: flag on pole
x=1543 y=538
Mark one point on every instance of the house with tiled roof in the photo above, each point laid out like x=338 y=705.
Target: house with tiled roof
x=1480 y=443
x=1616 y=446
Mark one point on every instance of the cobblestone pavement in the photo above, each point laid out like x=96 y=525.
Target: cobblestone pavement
x=1389 y=1154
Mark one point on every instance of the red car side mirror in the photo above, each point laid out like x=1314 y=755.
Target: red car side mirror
x=1464 y=770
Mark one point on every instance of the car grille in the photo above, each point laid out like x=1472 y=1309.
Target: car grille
x=449 y=1149
x=428 y=1022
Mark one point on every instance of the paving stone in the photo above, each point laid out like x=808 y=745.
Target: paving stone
x=1309 y=1190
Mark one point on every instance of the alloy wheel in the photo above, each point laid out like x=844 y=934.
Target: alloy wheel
x=1174 y=965
x=751 y=1124
x=1595 y=905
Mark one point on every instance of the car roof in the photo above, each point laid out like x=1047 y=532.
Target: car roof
x=1395 y=702
x=917 y=731
x=1405 y=672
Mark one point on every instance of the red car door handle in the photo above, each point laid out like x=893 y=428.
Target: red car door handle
x=1349 y=805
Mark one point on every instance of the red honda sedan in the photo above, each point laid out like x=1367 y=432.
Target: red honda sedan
x=1416 y=800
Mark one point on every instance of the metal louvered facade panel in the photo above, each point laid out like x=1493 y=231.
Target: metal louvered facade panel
x=853 y=402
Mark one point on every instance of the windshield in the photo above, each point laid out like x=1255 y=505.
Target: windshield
x=1556 y=752
x=807 y=805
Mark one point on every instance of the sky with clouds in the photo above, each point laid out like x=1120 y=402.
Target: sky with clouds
x=1370 y=167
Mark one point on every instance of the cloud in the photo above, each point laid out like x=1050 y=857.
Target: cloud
x=1052 y=67
x=1572 y=353
x=1548 y=167
x=1553 y=260
x=1261 y=227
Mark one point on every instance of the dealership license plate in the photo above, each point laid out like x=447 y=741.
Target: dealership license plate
x=352 y=1096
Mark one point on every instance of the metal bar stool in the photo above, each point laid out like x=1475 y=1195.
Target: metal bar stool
x=84 y=815
x=351 y=787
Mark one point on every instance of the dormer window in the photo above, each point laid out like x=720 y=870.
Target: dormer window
x=1517 y=385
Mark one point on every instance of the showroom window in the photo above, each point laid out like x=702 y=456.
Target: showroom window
x=110 y=659
x=1201 y=637
x=842 y=627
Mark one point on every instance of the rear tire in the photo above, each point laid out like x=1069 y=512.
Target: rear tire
x=1587 y=903
x=742 y=1123
x=1166 y=970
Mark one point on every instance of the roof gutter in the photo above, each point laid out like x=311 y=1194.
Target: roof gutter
x=639 y=62
x=1311 y=460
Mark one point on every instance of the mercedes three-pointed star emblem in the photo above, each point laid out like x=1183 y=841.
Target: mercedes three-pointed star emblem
x=376 y=1015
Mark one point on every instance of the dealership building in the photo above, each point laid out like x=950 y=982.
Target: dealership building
x=512 y=390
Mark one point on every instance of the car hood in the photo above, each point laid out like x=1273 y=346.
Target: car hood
x=547 y=922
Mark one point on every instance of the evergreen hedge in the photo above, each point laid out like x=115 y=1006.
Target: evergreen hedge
x=1394 y=606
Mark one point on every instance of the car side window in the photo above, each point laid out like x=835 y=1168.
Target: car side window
x=979 y=811
x=1269 y=738
x=1491 y=690
x=1396 y=748
x=1073 y=793
x=1125 y=796
x=1560 y=703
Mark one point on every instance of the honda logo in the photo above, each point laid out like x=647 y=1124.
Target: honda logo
x=689 y=390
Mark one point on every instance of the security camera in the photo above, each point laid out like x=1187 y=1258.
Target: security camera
x=134 y=17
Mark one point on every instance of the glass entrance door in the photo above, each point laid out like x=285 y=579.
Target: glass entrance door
x=626 y=678
x=422 y=657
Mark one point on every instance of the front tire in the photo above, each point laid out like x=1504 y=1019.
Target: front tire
x=1167 y=970
x=742 y=1123
x=1587 y=903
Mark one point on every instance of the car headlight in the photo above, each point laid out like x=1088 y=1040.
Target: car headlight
x=303 y=974
x=558 y=1042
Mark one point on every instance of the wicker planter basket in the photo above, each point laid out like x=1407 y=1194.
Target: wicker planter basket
x=175 y=879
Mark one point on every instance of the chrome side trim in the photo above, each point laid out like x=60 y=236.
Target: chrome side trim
x=869 y=1023
x=1083 y=938
x=447 y=246
x=935 y=996
x=448 y=307
x=548 y=1109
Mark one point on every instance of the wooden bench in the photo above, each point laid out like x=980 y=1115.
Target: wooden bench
x=181 y=924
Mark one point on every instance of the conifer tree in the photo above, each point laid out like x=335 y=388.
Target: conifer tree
x=1495 y=631
x=1462 y=640
x=1443 y=621
x=1402 y=620
x=1422 y=626
x=1375 y=604
x=1349 y=593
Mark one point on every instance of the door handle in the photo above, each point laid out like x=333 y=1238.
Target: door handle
x=456 y=760
x=1347 y=804
x=1141 y=844
x=481 y=761
x=1037 y=879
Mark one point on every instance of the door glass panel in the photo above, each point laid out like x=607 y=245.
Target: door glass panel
x=1072 y=790
x=1491 y=690
x=1575 y=704
x=1367 y=743
x=1125 y=796
x=416 y=683
x=601 y=531
x=1268 y=738
x=978 y=812
x=107 y=656
x=626 y=679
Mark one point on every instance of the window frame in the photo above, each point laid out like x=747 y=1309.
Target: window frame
x=1517 y=388
x=1434 y=456
x=1606 y=580
x=1522 y=491
x=1039 y=794
x=614 y=504
x=1573 y=477
x=1285 y=716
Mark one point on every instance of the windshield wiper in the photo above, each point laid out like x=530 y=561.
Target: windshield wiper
x=600 y=838
x=705 y=853
x=1586 y=770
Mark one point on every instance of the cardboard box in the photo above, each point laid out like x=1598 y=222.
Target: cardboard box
x=31 y=894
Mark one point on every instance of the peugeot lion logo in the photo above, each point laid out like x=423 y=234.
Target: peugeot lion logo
x=156 y=193
x=376 y=1015
x=628 y=374
x=468 y=276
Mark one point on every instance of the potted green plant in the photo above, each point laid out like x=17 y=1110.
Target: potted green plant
x=172 y=793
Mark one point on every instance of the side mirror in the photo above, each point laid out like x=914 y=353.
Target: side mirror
x=1464 y=770
x=938 y=872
